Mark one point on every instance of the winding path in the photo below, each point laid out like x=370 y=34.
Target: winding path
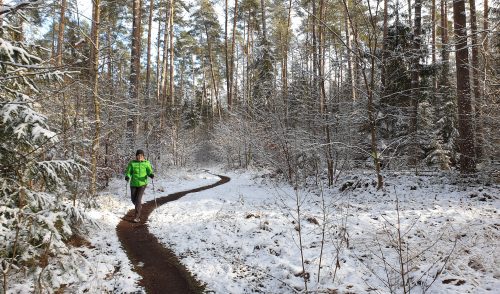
x=160 y=269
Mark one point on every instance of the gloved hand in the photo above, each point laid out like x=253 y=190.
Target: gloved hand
x=127 y=178
x=151 y=176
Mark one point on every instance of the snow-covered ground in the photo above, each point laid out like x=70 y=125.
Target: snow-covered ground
x=243 y=236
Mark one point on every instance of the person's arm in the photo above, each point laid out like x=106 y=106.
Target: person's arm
x=128 y=171
x=149 y=170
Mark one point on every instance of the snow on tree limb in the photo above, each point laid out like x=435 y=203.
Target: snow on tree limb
x=22 y=5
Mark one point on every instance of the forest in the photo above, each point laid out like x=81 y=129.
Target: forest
x=308 y=90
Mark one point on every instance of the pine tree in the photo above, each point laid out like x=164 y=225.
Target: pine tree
x=35 y=212
x=466 y=142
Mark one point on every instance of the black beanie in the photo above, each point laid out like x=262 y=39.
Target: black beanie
x=139 y=152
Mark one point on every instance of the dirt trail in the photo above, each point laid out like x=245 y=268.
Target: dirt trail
x=160 y=269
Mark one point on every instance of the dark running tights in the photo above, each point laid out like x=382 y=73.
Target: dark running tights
x=136 y=194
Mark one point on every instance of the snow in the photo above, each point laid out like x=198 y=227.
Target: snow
x=242 y=236
x=113 y=271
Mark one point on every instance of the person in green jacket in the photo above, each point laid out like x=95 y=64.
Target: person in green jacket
x=137 y=172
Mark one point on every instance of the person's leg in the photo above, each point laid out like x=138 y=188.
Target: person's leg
x=133 y=196
x=138 y=200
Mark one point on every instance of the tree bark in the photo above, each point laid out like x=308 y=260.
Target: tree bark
x=384 y=41
x=158 y=60
x=263 y=14
x=59 y=55
x=212 y=72
x=111 y=90
x=226 y=53
x=148 y=56
x=433 y=41
x=60 y=33
x=315 y=64
x=233 y=45
x=135 y=68
x=485 y=25
x=1 y=17
x=164 y=75
x=475 y=80
x=171 y=39
x=465 y=125
x=95 y=82
x=147 y=96
x=285 y=61
x=445 y=55
x=322 y=92
x=350 y=54
x=415 y=81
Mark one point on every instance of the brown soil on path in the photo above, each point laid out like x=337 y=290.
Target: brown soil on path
x=160 y=269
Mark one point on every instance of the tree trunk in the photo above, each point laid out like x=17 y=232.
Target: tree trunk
x=148 y=56
x=315 y=65
x=445 y=55
x=409 y=12
x=369 y=86
x=60 y=34
x=226 y=53
x=485 y=25
x=53 y=50
x=59 y=55
x=111 y=93
x=384 y=41
x=322 y=94
x=433 y=43
x=321 y=57
x=415 y=82
x=475 y=80
x=263 y=14
x=135 y=68
x=158 y=60
x=233 y=44
x=147 y=96
x=1 y=17
x=212 y=72
x=350 y=54
x=465 y=125
x=95 y=82
x=171 y=31
x=164 y=98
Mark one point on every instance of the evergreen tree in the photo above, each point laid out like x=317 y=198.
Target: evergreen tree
x=37 y=216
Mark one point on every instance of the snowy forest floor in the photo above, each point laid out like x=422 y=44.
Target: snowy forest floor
x=243 y=236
